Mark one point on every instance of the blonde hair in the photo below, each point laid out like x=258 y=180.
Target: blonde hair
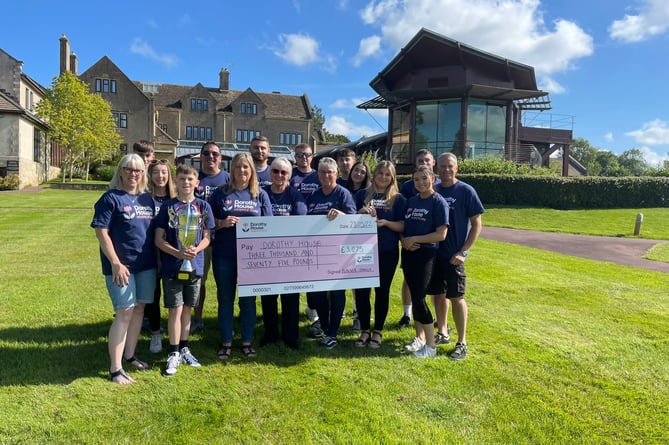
x=253 y=181
x=131 y=160
x=391 y=191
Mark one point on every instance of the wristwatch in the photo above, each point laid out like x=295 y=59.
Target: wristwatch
x=464 y=253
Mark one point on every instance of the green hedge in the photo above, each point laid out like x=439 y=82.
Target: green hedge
x=592 y=192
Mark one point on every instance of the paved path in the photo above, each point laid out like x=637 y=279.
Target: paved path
x=625 y=251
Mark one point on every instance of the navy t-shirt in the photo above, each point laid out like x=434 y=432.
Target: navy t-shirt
x=463 y=203
x=289 y=202
x=263 y=177
x=305 y=183
x=209 y=183
x=424 y=215
x=340 y=199
x=168 y=220
x=240 y=203
x=388 y=239
x=128 y=219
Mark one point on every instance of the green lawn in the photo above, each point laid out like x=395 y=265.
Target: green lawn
x=561 y=350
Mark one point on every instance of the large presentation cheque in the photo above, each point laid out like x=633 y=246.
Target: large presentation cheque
x=292 y=254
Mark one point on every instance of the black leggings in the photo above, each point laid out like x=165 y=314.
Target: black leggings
x=387 y=266
x=152 y=311
x=417 y=266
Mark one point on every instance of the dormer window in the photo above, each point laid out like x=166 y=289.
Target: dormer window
x=200 y=105
x=249 y=108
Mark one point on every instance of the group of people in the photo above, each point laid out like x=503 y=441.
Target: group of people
x=140 y=223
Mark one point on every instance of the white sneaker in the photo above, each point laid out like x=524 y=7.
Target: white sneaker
x=173 y=361
x=156 y=343
x=426 y=352
x=415 y=345
x=189 y=359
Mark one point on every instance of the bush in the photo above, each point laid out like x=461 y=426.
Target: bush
x=9 y=182
x=104 y=172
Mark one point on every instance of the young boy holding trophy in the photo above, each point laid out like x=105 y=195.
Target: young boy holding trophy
x=183 y=228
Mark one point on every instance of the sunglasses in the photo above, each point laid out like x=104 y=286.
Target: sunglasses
x=304 y=155
x=159 y=161
x=213 y=154
x=276 y=171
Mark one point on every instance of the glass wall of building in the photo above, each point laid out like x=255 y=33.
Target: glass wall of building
x=401 y=127
x=438 y=126
x=486 y=129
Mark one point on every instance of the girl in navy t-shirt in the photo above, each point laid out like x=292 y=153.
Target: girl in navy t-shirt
x=425 y=225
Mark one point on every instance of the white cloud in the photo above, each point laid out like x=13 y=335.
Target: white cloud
x=340 y=125
x=609 y=137
x=152 y=24
x=551 y=85
x=511 y=28
x=369 y=46
x=655 y=132
x=653 y=159
x=341 y=104
x=298 y=49
x=142 y=48
x=652 y=19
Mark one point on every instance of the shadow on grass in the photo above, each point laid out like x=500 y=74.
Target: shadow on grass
x=63 y=354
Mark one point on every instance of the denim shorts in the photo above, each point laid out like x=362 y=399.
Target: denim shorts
x=139 y=290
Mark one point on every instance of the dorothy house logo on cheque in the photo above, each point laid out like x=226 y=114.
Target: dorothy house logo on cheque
x=254 y=227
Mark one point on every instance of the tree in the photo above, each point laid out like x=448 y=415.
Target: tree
x=609 y=164
x=319 y=119
x=80 y=121
x=634 y=161
x=586 y=155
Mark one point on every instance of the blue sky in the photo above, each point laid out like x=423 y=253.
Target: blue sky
x=604 y=62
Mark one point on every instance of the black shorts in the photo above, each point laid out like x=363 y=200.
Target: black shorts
x=447 y=279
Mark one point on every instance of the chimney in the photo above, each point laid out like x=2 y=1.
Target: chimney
x=224 y=80
x=64 y=54
x=74 y=64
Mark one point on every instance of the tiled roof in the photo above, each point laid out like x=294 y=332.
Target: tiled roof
x=278 y=105
x=9 y=105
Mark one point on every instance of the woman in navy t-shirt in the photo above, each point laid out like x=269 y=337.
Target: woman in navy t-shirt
x=286 y=201
x=425 y=225
x=331 y=199
x=239 y=198
x=383 y=201
x=123 y=227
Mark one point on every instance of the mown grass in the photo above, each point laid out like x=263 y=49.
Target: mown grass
x=562 y=350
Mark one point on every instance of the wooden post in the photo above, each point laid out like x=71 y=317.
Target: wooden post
x=637 y=226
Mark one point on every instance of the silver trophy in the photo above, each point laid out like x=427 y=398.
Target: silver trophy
x=188 y=228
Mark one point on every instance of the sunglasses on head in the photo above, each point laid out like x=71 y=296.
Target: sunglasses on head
x=276 y=171
x=159 y=161
x=213 y=154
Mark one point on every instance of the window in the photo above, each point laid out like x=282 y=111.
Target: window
x=198 y=133
x=249 y=108
x=246 y=135
x=437 y=126
x=486 y=128
x=123 y=148
x=290 y=138
x=105 y=86
x=151 y=87
x=37 y=142
x=199 y=105
x=121 y=120
x=400 y=129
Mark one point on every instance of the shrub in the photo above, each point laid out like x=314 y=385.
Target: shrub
x=104 y=172
x=9 y=182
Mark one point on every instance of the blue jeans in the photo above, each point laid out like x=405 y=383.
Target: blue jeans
x=225 y=274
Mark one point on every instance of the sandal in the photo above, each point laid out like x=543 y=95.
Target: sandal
x=373 y=343
x=224 y=353
x=137 y=363
x=248 y=351
x=117 y=375
x=363 y=340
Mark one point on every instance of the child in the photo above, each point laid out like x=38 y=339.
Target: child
x=181 y=294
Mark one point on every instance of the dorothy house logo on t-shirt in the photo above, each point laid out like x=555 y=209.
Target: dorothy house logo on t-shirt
x=417 y=214
x=228 y=205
